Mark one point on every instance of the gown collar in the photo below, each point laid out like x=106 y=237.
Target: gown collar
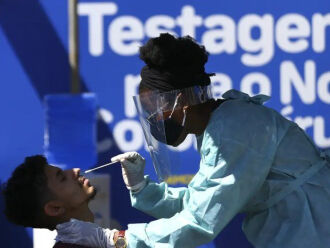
x=235 y=94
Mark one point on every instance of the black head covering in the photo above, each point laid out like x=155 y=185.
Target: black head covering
x=167 y=81
x=173 y=63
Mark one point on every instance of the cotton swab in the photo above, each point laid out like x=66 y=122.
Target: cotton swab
x=99 y=167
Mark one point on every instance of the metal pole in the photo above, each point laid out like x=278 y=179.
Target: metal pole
x=74 y=46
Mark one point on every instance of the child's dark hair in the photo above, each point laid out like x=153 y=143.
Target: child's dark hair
x=26 y=193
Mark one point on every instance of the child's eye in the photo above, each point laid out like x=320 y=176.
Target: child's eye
x=63 y=177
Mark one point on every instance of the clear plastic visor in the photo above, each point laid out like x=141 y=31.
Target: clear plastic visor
x=161 y=118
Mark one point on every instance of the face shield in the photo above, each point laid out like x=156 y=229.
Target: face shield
x=162 y=116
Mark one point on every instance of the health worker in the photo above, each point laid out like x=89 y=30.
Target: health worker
x=253 y=161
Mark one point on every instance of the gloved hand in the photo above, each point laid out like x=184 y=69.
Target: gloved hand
x=132 y=164
x=85 y=233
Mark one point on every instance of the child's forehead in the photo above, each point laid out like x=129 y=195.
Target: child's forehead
x=51 y=171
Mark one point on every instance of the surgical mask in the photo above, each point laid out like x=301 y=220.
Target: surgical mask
x=173 y=130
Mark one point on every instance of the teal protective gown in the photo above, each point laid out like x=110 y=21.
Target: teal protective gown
x=255 y=161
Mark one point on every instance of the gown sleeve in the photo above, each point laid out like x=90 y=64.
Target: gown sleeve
x=237 y=151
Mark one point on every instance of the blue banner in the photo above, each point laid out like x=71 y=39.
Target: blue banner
x=278 y=48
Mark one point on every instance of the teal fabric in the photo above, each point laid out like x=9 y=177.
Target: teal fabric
x=253 y=161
